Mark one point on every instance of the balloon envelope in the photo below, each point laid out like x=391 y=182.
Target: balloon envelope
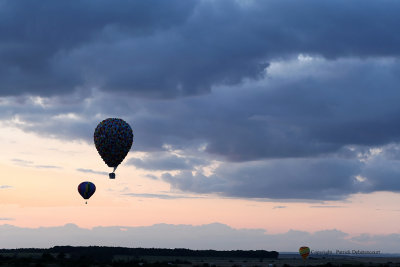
x=86 y=189
x=113 y=139
x=304 y=252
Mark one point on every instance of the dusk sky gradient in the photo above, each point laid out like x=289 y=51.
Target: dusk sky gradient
x=257 y=124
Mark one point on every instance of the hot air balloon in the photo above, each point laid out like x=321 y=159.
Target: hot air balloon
x=113 y=139
x=304 y=252
x=86 y=189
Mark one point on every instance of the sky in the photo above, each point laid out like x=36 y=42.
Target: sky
x=257 y=124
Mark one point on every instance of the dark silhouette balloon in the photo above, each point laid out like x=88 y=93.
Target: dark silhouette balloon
x=86 y=189
x=113 y=139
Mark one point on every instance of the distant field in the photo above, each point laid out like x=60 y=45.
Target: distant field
x=345 y=260
x=280 y=262
x=180 y=261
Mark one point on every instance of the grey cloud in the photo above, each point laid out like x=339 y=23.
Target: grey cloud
x=389 y=209
x=378 y=240
x=6 y=219
x=22 y=162
x=308 y=110
x=325 y=178
x=150 y=176
x=91 y=171
x=165 y=161
x=389 y=152
x=27 y=163
x=382 y=174
x=159 y=196
x=314 y=110
x=247 y=97
x=279 y=207
x=5 y=186
x=322 y=179
x=208 y=236
x=38 y=40
x=47 y=167
x=56 y=117
x=327 y=206
x=58 y=47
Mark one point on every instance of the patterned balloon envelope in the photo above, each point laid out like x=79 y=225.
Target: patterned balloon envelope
x=113 y=139
x=304 y=252
x=86 y=189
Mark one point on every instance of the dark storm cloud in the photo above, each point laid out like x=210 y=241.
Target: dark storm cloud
x=166 y=49
x=325 y=178
x=299 y=116
x=382 y=174
x=38 y=40
x=311 y=109
x=68 y=117
x=315 y=179
x=391 y=152
x=313 y=112
x=331 y=110
x=336 y=110
x=324 y=110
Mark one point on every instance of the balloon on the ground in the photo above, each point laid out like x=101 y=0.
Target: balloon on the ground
x=86 y=189
x=304 y=252
x=113 y=139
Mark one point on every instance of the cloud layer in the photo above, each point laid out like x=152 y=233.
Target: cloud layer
x=210 y=236
x=179 y=48
x=250 y=99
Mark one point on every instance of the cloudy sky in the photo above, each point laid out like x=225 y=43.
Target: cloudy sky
x=274 y=122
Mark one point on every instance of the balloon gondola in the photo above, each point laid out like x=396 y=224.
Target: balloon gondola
x=113 y=139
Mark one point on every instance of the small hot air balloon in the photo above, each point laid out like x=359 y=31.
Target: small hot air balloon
x=86 y=189
x=113 y=139
x=304 y=252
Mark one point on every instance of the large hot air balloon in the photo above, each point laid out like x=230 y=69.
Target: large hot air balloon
x=113 y=139
x=304 y=252
x=86 y=189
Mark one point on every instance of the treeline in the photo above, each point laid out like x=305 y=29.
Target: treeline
x=177 y=252
x=100 y=252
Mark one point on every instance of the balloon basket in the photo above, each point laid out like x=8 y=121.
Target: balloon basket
x=111 y=175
